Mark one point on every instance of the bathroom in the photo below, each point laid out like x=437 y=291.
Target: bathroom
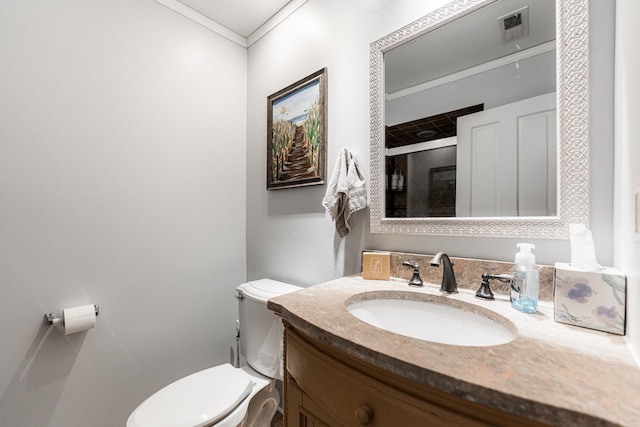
x=132 y=164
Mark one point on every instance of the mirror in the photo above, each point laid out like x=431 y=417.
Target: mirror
x=485 y=84
x=475 y=177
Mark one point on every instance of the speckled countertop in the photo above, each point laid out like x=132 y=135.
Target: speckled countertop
x=551 y=372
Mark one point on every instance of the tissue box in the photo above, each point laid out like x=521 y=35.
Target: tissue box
x=376 y=265
x=590 y=299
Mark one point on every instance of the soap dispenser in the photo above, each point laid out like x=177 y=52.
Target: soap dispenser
x=524 y=280
x=394 y=180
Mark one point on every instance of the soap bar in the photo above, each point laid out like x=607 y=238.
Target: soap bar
x=376 y=265
x=590 y=299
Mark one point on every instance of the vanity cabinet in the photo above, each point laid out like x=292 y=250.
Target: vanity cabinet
x=327 y=387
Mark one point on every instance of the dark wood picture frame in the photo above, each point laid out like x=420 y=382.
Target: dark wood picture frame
x=442 y=191
x=297 y=133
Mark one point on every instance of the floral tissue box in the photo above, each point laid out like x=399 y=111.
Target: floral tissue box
x=591 y=299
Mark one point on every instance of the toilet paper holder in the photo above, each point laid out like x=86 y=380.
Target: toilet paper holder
x=51 y=319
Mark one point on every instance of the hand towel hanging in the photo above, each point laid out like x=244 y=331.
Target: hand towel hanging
x=346 y=192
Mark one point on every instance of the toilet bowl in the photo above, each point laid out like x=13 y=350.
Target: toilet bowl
x=226 y=396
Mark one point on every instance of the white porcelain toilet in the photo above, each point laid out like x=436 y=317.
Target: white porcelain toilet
x=225 y=396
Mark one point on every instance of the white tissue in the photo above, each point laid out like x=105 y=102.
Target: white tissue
x=583 y=252
x=78 y=319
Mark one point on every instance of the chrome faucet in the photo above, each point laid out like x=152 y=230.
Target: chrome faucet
x=449 y=285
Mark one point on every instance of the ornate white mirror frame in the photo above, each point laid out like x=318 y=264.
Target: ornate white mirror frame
x=572 y=44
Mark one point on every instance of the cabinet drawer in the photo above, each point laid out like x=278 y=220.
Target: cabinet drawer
x=355 y=399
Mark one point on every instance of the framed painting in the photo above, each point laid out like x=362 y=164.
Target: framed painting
x=442 y=191
x=297 y=133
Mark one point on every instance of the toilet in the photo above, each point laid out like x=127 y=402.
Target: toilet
x=226 y=396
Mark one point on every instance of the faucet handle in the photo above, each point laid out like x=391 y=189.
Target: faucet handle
x=410 y=264
x=484 y=292
x=416 y=280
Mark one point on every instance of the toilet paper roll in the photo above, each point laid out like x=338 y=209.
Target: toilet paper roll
x=78 y=319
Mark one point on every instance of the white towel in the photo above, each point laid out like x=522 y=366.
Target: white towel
x=346 y=192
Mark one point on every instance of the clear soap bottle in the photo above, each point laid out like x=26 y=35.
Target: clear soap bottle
x=525 y=280
x=394 y=180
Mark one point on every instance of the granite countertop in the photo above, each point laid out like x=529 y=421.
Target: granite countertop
x=551 y=372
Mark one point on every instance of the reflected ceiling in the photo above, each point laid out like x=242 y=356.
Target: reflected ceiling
x=428 y=128
x=445 y=51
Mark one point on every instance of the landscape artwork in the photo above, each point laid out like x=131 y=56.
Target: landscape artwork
x=296 y=133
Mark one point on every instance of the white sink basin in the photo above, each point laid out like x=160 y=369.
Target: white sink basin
x=434 y=321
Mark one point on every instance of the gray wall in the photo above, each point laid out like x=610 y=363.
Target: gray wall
x=627 y=174
x=127 y=179
x=283 y=224
x=122 y=183
x=290 y=237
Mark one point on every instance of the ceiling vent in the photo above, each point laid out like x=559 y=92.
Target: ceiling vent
x=514 y=25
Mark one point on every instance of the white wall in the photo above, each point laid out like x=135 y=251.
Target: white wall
x=627 y=174
x=122 y=183
x=125 y=181
x=289 y=235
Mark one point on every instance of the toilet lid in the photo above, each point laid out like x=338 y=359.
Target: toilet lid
x=194 y=401
x=263 y=289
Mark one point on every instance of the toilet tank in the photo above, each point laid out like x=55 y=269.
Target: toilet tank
x=260 y=329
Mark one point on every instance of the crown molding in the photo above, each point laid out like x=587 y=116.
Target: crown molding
x=206 y=22
x=274 y=21
x=225 y=32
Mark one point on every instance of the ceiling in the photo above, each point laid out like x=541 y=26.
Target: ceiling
x=466 y=42
x=243 y=17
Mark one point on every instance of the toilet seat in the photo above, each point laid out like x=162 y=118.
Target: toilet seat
x=199 y=400
x=224 y=396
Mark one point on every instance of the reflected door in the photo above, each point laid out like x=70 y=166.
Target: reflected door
x=507 y=160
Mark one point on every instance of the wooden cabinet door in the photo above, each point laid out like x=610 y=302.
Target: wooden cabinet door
x=334 y=394
x=302 y=411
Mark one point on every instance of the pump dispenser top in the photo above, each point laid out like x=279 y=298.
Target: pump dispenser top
x=525 y=256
